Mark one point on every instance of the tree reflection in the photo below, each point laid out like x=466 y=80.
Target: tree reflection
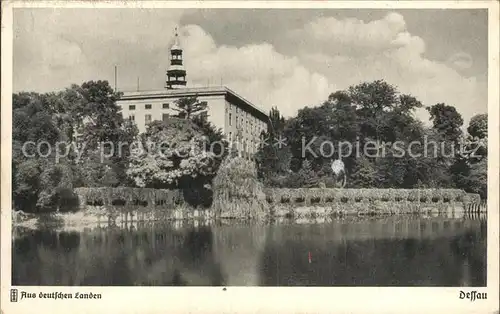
x=352 y=259
x=382 y=252
x=112 y=256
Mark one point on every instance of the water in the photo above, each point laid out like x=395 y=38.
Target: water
x=395 y=251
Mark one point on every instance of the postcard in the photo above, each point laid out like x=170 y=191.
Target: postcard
x=250 y=157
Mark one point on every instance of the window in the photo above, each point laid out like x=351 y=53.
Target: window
x=166 y=105
x=165 y=116
x=230 y=136
x=230 y=120
x=147 y=118
x=131 y=117
x=131 y=107
x=148 y=106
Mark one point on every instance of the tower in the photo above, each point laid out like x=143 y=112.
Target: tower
x=176 y=74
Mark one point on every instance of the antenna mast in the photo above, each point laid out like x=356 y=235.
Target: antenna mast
x=115 y=78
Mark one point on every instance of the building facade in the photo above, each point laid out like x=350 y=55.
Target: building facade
x=241 y=121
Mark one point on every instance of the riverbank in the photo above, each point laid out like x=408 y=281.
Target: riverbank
x=291 y=204
x=93 y=218
x=95 y=215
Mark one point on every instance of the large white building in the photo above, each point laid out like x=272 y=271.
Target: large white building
x=240 y=120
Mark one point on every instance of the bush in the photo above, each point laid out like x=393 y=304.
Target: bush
x=237 y=191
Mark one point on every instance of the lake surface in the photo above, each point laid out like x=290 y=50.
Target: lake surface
x=393 y=251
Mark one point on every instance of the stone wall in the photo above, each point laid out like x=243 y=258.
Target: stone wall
x=156 y=204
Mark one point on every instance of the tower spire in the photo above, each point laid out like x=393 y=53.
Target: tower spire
x=176 y=39
x=176 y=74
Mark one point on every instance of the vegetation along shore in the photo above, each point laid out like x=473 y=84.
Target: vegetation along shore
x=86 y=181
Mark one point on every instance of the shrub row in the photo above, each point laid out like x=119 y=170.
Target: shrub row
x=319 y=195
x=129 y=196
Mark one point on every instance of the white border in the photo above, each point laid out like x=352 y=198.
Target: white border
x=247 y=299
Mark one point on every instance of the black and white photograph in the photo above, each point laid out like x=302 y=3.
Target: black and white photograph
x=250 y=147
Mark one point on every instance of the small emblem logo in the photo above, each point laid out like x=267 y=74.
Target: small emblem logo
x=13 y=295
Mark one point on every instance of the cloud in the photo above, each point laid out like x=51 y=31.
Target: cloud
x=461 y=61
x=349 y=51
x=54 y=48
x=255 y=71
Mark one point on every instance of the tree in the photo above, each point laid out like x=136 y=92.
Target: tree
x=32 y=119
x=189 y=106
x=363 y=174
x=477 y=139
x=478 y=126
x=33 y=122
x=216 y=140
x=470 y=168
x=273 y=160
x=26 y=184
x=308 y=175
x=478 y=178
x=276 y=121
x=173 y=156
x=95 y=106
x=103 y=132
x=44 y=183
x=237 y=190
x=310 y=125
x=57 y=193
x=447 y=121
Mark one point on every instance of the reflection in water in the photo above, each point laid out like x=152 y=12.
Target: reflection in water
x=393 y=251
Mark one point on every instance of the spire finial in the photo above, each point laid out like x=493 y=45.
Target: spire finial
x=176 y=41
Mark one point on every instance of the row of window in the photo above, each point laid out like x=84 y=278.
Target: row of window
x=165 y=116
x=176 y=78
x=247 y=144
x=147 y=117
x=148 y=106
x=248 y=126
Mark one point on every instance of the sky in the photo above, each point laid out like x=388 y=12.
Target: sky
x=289 y=58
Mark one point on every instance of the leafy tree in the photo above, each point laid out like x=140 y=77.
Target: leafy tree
x=103 y=131
x=447 y=121
x=470 y=169
x=308 y=175
x=26 y=184
x=276 y=121
x=478 y=126
x=33 y=122
x=273 y=160
x=31 y=119
x=477 y=138
x=215 y=140
x=189 y=106
x=382 y=112
x=173 y=156
x=478 y=178
x=57 y=182
x=94 y=104
x=309 y=125
x=44 y=183
x=362 y=174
